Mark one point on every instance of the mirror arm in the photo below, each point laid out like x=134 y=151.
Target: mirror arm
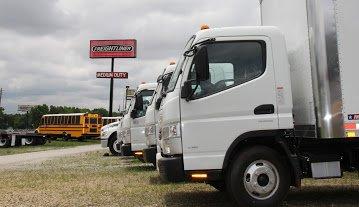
x=193 y=91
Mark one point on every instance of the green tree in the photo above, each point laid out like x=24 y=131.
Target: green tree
x=101 y=111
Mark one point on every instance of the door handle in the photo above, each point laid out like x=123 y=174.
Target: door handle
x=264 y=109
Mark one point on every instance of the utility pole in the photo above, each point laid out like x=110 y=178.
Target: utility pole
x=111 y=89
x=1 y=91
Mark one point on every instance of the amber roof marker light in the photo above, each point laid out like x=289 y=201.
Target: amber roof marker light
x=204 y=26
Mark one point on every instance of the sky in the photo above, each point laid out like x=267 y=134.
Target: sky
x=44 y=49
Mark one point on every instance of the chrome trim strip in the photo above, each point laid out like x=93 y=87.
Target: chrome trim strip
x=325 y=68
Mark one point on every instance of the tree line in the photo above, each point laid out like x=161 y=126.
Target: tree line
x=31 y=120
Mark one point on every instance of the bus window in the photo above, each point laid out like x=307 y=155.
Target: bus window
x=56 y=120
x=93 y=121
x=86 y=120
x=77 y=120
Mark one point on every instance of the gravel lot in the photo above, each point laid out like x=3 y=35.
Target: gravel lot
x=91 y=179
x=18 y=160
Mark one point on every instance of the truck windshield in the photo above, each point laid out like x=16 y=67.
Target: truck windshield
x=177 y=72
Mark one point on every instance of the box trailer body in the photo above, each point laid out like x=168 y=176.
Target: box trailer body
x=255 y=109
x=321 y=41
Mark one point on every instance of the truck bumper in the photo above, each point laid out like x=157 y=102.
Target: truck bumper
x=104 y=143
x=149 y=154
x=126 y=149
x=171 y=169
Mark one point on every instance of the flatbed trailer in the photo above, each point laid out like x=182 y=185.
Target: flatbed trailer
x=12 y=139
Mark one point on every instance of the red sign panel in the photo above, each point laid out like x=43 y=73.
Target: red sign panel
x=113 y=48
x=122 y=75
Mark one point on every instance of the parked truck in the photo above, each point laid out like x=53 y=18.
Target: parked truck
x=254 y=110
x=131 y=131
x=151 y=117
x=109 y=136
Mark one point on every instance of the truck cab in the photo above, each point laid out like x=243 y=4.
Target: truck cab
x=132 y=129
x=151 y=118
x=229 y=85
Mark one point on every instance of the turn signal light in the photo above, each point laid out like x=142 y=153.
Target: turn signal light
x=138 y=153
x=172 y=62
x=199 y=176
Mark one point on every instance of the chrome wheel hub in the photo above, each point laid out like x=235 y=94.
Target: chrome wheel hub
x=115 y=146
x=261 y=179
x=28 y=141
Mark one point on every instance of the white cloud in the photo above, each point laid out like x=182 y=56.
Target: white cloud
x=45 y=43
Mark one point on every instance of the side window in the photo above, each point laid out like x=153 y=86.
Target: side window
x=146 y=99
x=230 y=64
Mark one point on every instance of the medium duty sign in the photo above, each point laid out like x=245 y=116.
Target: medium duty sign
x=122 y=75
x=113 y=48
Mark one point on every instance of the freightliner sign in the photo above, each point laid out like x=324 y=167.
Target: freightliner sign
x=113 y=48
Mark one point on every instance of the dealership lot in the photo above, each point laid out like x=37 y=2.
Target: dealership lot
x=96 y=180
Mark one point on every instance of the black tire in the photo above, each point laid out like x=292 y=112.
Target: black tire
x=239 y=177
x=218 y=185
x=30 y=141
x=112 y=146
x=4 y=142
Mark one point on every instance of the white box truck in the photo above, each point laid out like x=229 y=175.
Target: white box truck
x=254 y=110
x=131 y=131
x=151 y=117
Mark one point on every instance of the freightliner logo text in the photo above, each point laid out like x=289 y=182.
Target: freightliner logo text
x=112 y=48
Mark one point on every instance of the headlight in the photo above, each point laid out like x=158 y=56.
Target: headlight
x=150 y=130
x=171 y=131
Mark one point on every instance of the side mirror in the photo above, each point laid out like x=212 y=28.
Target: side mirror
x=133 y=113
x=186 y=89
x=158 y=103
x=201 y=63
x=159 y=79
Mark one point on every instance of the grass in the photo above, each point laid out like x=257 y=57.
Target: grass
x=48 y=146
x=94 y=180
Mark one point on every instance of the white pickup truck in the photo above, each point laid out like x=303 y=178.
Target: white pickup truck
x=109 y=138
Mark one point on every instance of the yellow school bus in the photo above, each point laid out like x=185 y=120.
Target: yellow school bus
x=77 y=126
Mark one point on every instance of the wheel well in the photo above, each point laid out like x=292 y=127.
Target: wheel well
x=269 y=141
x=113 y=135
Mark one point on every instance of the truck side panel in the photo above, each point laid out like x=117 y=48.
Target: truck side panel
x=348 y=33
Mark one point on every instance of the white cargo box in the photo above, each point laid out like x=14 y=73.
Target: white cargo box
x=322 y=49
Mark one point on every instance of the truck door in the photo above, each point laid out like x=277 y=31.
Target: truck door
x=138 y=123
x=238 y=97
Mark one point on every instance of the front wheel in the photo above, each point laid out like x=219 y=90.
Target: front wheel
x=112 y=145
x=258 y=177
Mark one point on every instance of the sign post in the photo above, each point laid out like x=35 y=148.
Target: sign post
x=125 y=48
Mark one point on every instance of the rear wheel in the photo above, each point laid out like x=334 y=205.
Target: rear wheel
x=112 y=145
x=4 y=142
x=258 y=177
x=29 y=141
